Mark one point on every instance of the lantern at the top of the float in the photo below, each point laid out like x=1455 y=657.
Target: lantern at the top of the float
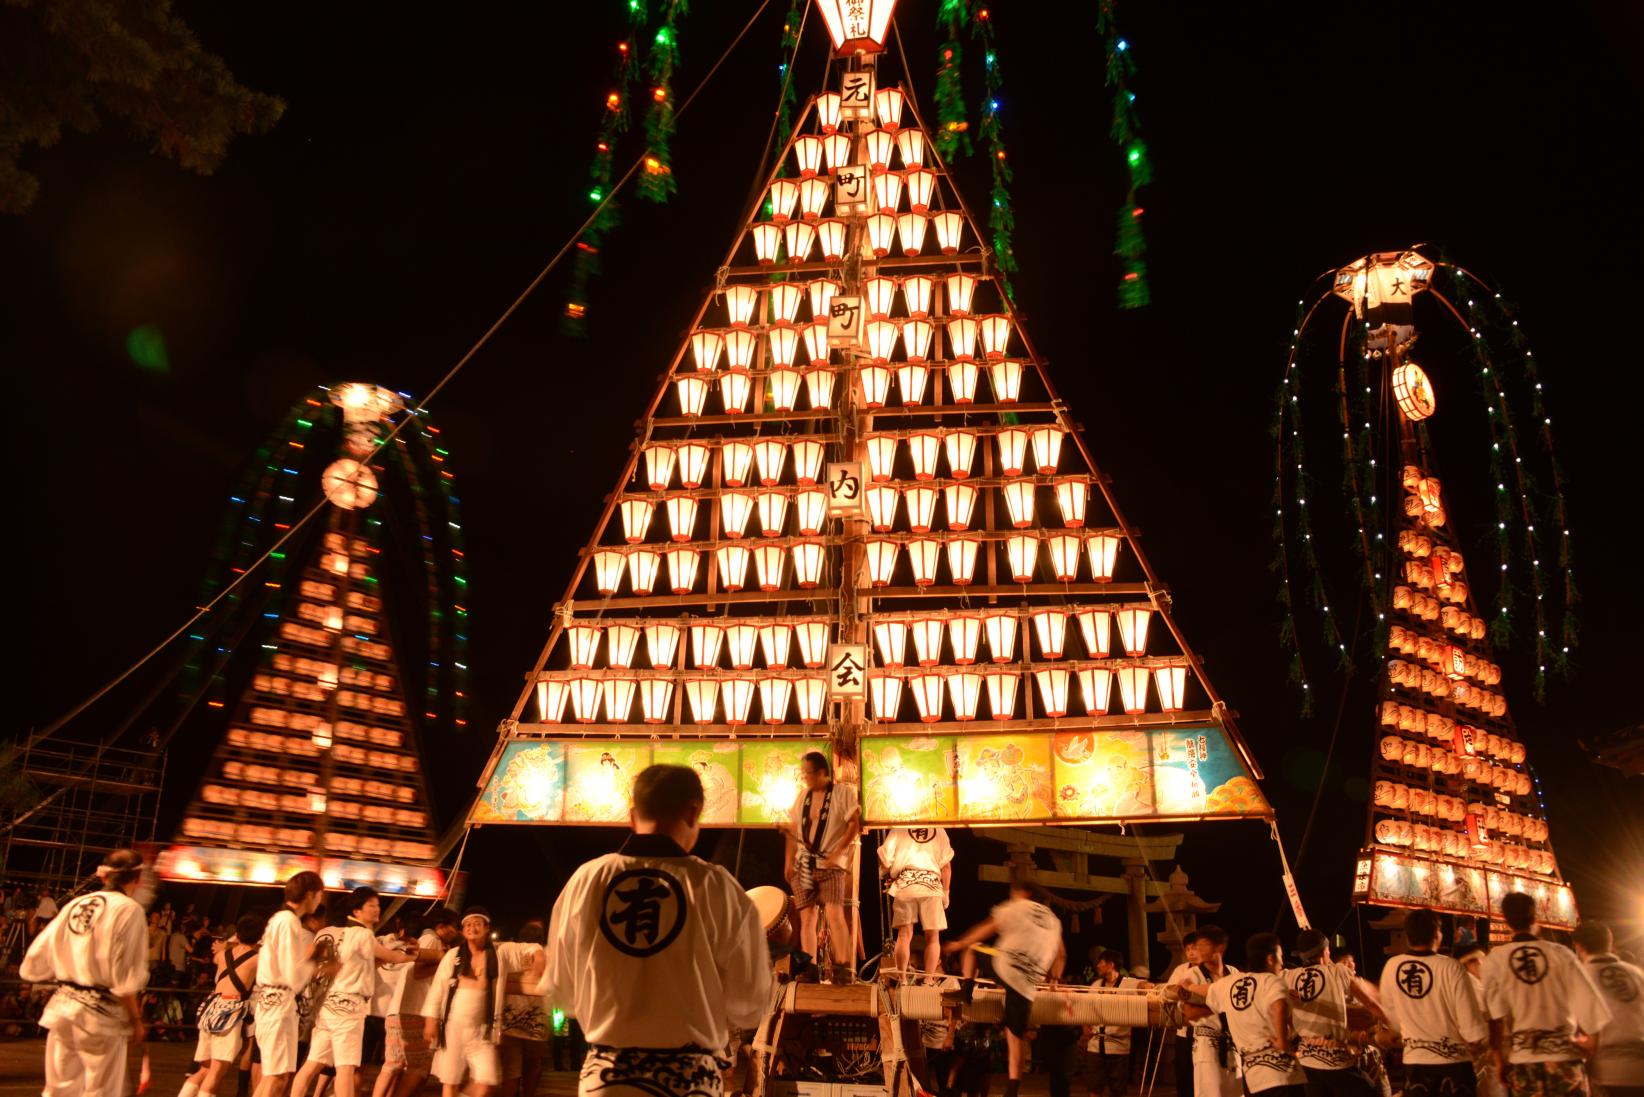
x=365 y=403
x=1385 y=278
x=1413 y=391
x=856 y=26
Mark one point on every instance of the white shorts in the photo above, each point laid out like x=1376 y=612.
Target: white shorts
x=467 y=1055
x=226 y=1047
x=276 y=1013
x=925 y=909
x=78 y=1061
x=338 y=1039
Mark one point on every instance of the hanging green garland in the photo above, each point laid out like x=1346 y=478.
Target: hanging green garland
x=1001 y=214
x=951 y=137
x=791 y=24
x=656 y=180
x=1126 y=131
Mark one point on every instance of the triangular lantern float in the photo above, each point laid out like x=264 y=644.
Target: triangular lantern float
x=857 y=516
x=320 y=769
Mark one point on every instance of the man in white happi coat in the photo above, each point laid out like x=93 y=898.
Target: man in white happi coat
x=1215 y=1062
x=1255 y=1006
x=820 y=834
x=1544 y=1009
x=1618 y=1061
x=1430 y=1000
x=339 y=1025
x=1182 y=975
x=463 y=1009
x=916 y=864
x=658 y=954
x=1319 y=993
x=96 y=951
x=283 y=970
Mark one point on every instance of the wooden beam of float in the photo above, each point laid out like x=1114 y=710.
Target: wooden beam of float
x=1059 y=1006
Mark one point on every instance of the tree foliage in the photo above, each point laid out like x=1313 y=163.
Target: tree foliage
x=73 y=63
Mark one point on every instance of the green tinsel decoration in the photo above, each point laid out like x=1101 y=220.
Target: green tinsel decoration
x=790 y=94
x=1001 y=215
x=1126 y=132
x=951 y=136
x=656 y=176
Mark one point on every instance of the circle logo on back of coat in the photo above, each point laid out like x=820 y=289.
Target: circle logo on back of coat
x=1527 y=964
x=1309 y=984
x=921 y=834
x=85 y=914
x=1243 y=992
x=643 y=911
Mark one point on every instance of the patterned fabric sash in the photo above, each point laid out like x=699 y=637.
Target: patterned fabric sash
x=1545 y=1041
x=688 y=1071
x=1270 y=1057
x=97 y=999
x=1335 y=1055
x=1444 y=1047
x=219 y=1015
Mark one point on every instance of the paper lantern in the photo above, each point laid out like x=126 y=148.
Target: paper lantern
x=1053 y=683
x=693 y=395
x=740 y=641
x=1132 y=689
x=923 y=448
x=620 y=642
x=830 y=237
x=879 y=294
x=813 y=642
x=965 y=689
x=960 y=502
x=1413 y=391
x=705 y=349
x=682 y=516
x=1006 y=378
x=886 y=693
x=734 y=508
x=643 y=565
x=882 y=336
x=735 y=461
x=766 y=237
x=910 y=232
x=959 y=289
x=1103 y=550
x=927 y=696
x=819 y=386
x=916 y=339
x=773 y=644
x=836 y=152
x=827 y=111
x=881 y=456
x=661 y=641
x=1133 y=629
x=682 y=565
x=1171 y=683
x=813 y=197
x=921 y=183
x=962 y=381
x=739 y=349
x=1064 y=556
x=1002 y=685
x=921 y=506
x=608 y=566
x=1012 y=451
x=881 y=233
x=962 y=339
x=949 y=230
x=1047 y=448
x=887 y=191
x=962 y=559
x=551 y=696
x=810 y=508
x=1095 y=625
x=1050 y=626
x=702 y=694
x=768 y=566
x=882 y=502
x=732 y=561
x=995 y=336
x=881 y=558
x=584 y=699
x=782 y=388
x=1019 y=502
x=887 y=105
x=910 y=146
x=706 y=640
x=916 y=291
x=782 y=196
x=693 y=464
x=1022 y=550
x=1001 y=633
x=617 y=695
x=734 y=389
x=922 y=556
x=911 y=379
x=739 y=304
x=807 y=460
x=1072 y=493
x=963 y=632
x=583 y=642
x=774 y=697
x=773 y=512
x=656 y=699
x=737 y=695
x=1095 y=689
x=810 y=695
x=807 y=154
x=891 y=640
x=783 y=342
x=927 y=640
x=659 y=466
x=636 y=519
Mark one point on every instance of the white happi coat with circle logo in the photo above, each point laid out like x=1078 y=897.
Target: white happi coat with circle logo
x=1544 y=994
x=1435 y=1008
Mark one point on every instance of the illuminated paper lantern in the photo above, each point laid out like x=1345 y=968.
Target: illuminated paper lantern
x=706 y=347
x=661 y=642
x=735 y=460
x=1001 y=633
x=880 y=295
x=766 y=238
x=807 y=154
x=693 y=395
x=882 y=503
x=916 y=291
x=963 y=632
x=921 y=184
x=1072 y=495
x=798 y=237
x=734 y=508
x=960 y=290
x=768 y=566
x=782 y=196
x=881 y=558
x=1022 y=550
x=1064 y=556
x=774 y=640
x=910 y=146
x=636 y=519
x=916 y=339
x=1002 y=686
x=1012 y=451
x=583 y=642
x=836 y=152
x=1019 y=502
x=733 y=566
x=810 y=696
x=962 y=382
x=739 y=349
x=1103 y=550
x=891 y=639
x=875 y=384
x=682 y=516
x=608 y=566
x=819 y=386
x=887 y=107
x=1096 y=690
x=620 y=642
x=784 y=341
x=830 y=237
x=782 y=387
x=927 y=696
x=585 y=699
x=1052 y=683
x=810 y=508
x=911 y=379
x=881 y=456
x=1413 y=391
x=962 y=339
x=813 y=198
x=886 y=694
x=1133 y=629
x=775 y=694
x=739 y=304
x=659 y=466
x=740 y=641
x=1096 y=626
x=887 y=191
x=1132 y=689
x=656 y=699
x=706 y=640
x=921 y=506
x=737 y=695
x=949 y=231
x=693 y=464
x=702 y=694
x=881 y=233
x=617 y=695
x=995 y=336
x=551 y=697
x=1006 y=378
x=643 y=566
x=827 y=111
x=783 y=299
x=734 y=389
x=1047 y=448
x=682 y=563
x=773 y=512
x=962 y=560
x=1171 y=683
x=966 y=690
x=1050 y=626
x=813 y=642
x=927 y=640
x=923 y=552
x=961 y=502
x=910 y=231
x=807 y=460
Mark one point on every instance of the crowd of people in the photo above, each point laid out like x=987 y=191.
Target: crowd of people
x=666 y=963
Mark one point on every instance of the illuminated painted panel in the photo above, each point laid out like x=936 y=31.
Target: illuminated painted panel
x=1402 y=880
x=203 y=864
x=1102 y=773
x=910 y=779
x=770 y=778
x=717 y=765
x=599 y=780
x=528 y=785
x=1004 y=777
x=1196 y=772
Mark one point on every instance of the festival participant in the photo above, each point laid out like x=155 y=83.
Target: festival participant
x=339 y=1025
x=525 y=1023
x=1028 y=951
x=1215 y=1071
x=1618 y=1061
x=1470 y=955
x=1255 y=1007
x=658 y=954
x=824 y=821
x=409 y=1056
x=462 y=1015
x=1435 y=1009
x=1181 y=976
x=283 y=970
x=1107 y=1047
x=917 y=866
x=1543 y=1008
x=1319 y=993
x=96 y=951
x=225 y=1015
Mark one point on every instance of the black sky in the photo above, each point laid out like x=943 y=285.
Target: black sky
x=432 y=158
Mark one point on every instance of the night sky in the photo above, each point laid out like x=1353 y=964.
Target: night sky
x=432 y=159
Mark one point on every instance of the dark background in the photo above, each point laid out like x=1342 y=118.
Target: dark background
x=432 y=159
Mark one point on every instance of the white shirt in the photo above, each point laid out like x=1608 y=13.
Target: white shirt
x=1246 y=999
x=1318 y=1011
x=912 y=859
x=409 y=994
x=1030 y=939
x=1541 y=990
x=1620 y=1057
x=512 y=956
x=1431 y=1001
x=357 y=956
x=1182 y=976
x=653 y=948
x=389 y=978
x=283 y=962
x=843 y=807
x=1207 y=1029
x=99 y=940
x=1112 y=1039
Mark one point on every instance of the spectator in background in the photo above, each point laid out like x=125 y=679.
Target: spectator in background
x=174 y=961
x=525 y=1022
x=156 y=940
x=1107 y=1047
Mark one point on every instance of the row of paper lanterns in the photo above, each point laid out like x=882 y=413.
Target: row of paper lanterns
x=1392 y=796
x=817 y=155
x=1443 y=655
x=794 y=241
x=1451 y=763
x=1435 y=684
x=737 y=348
x=783 y=384
x=1443 y=729
x=879 y=293
x=807 y=197
x=1461 y=844
x=730 y=699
